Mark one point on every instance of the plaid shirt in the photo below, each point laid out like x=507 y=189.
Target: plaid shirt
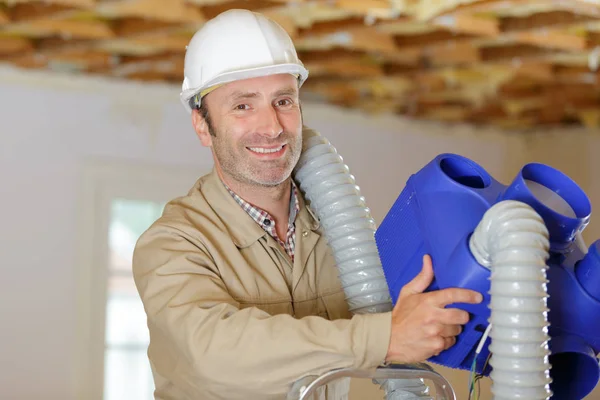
x=264 y=220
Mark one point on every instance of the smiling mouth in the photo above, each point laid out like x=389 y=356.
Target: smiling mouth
x=265 y=150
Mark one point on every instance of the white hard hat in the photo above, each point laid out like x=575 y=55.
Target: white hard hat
x=237 y=44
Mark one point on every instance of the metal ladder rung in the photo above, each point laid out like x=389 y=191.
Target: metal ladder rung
x=305 y=387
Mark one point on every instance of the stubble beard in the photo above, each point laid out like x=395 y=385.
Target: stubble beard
x=243 y=168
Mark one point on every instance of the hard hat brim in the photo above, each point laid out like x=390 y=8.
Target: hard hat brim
x=291 y=68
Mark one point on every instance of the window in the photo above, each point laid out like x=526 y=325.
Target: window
x=119 y=202
x=127 y=374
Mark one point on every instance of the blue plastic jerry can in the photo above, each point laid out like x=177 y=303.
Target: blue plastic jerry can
x=436 y=213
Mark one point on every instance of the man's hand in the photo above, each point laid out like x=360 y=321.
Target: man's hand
x=421 y=326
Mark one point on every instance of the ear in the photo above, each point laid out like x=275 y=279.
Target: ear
x=201 y=128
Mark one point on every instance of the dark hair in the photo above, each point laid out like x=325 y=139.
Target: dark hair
x=203 y=110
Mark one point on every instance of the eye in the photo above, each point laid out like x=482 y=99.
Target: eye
x=242 y=107
x=284 y=102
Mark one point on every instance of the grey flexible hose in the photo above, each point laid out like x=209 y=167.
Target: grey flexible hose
x=512 y=241
x=336 y=200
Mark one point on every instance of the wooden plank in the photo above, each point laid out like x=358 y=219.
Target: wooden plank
x=551 y=40
x=69 y=4
x=371 y=9
x=171 y=11
x=14 y=45
x=580 y=7
x=163 y=64
x=325 y=27
x=593 y=39
x=468 y=24
x=513 y=124
x=407 y=57
x=538 y=71
x=551 y=19
x=589 y=117
x=29 y=60
x=392 y=69
x=64 y=28
x=335 y=53
x=487 y=112
x=516 y=107
x=512 y=52
x=440 y=36
x=212 y=10
x=132 y=26
x=447 y=113
x=344 y=68
x=368 y=38
x=3 y=17
x=453 y=53
x=81 y=59
x=34 y=10
x=577 y=74
x=147 y=45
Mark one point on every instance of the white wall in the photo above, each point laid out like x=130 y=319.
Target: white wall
x=52 y=125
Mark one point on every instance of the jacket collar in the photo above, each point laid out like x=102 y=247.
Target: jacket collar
x=243 y=229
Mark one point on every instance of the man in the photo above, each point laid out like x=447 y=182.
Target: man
x=238 y=283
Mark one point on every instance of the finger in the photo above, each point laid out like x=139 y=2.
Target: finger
x=450 y=330
x=453 y=316
x=449 y=342
x=422 y=280
x=445 y=297
x=445 y=344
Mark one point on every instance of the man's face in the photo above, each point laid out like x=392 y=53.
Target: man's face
x=257 y=129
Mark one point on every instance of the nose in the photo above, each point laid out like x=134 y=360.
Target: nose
x=269 y=123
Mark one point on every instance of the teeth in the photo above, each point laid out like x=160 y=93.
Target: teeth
x=262 y=150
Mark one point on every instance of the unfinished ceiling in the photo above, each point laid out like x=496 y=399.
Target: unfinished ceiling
x=516 y=64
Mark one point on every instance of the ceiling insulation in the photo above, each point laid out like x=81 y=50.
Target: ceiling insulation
x=510 y=63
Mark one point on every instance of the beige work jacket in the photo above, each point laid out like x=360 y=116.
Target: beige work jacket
x=229 y=315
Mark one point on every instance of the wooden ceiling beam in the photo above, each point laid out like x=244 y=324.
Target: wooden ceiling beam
x=550 y=19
